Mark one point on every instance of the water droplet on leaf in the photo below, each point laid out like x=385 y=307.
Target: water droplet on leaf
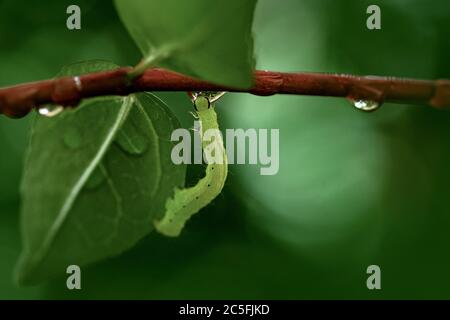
x=50 y=110
x=366 y=105
x=72 y=138
x=95 y=180
x=134 y=145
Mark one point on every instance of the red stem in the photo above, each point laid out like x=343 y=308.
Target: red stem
x=19 y=100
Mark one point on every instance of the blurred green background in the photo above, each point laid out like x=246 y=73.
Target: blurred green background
x=353 y=189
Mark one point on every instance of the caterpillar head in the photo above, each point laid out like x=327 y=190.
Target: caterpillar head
x=202 y=103
x=204 y=100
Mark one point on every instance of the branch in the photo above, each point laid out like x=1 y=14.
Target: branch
x=19 y=100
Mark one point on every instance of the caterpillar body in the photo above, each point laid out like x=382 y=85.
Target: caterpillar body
x=188 y=201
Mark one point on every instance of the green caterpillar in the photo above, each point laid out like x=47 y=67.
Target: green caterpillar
x=186 y=202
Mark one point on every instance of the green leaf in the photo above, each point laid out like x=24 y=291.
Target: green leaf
x=211 y=40
x=95 y=178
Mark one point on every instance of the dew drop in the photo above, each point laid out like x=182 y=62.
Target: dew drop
x=72 y=138
x=134 y=145
x=50 y=111
x=366 y=105
x=95 y=180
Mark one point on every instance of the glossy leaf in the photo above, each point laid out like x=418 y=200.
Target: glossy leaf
x=211 y=40
x=95 y=178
